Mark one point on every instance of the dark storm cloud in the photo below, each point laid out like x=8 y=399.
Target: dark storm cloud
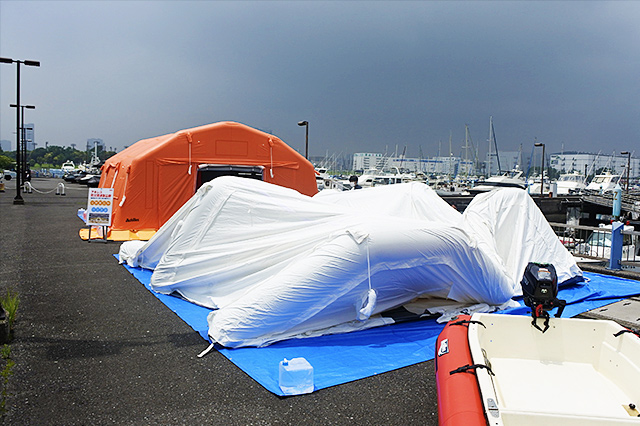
x=366 y=75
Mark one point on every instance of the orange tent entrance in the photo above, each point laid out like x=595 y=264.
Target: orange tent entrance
x=154 y=177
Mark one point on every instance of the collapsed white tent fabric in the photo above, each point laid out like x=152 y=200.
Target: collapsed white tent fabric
x=276 y=264
x=505 y=222
x=511 y=224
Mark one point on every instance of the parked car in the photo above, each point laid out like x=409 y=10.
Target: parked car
x=9 y=174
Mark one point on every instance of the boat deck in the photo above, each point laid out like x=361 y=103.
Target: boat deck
x=549 y=383
x=577 y=372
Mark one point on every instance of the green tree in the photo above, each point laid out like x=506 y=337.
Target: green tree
x=48 y=157
x=36 y=156
x=6 y=162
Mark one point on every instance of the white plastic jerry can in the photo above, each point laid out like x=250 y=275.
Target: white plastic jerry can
x=296 y=376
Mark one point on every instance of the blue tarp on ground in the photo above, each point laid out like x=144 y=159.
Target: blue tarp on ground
x=342 y=358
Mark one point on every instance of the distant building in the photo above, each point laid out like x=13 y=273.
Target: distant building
x=587 y=163
x=566 y=162
x=91 y=143
x=437 y=165
x=367 y=160
x=6 y=145
x=30 y=136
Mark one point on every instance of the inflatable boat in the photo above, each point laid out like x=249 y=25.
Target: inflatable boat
x=495 y=369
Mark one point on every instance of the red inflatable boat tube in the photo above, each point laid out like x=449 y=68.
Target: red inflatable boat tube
x=459 y=400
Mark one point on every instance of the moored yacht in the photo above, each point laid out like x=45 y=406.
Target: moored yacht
x=511 y=179
x=570 y=183
x=534 y=183
x=323 y=180
x=603 y=183
x=373 y=178
x=68 y=166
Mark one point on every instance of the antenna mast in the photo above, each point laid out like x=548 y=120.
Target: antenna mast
x=489 y=154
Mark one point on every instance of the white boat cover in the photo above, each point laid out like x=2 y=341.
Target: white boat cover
x=275 y=264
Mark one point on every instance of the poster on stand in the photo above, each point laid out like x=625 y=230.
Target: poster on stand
x=100 y=206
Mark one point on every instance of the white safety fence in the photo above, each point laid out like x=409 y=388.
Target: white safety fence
x=27 y=188
x=594 y=243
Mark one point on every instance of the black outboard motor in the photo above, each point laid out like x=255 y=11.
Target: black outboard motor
x=540 y=291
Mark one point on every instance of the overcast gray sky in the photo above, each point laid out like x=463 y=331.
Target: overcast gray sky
x=366 y=75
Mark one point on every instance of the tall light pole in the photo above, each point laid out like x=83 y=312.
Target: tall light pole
x=23 y=136
x=18 y=198
x=306 y=143
x=542 y=173
x=628 y=154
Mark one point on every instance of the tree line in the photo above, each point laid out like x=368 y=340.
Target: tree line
x=51 y=157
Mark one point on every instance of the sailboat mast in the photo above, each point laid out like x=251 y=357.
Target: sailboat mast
x=495 y=142
x=489 y=154
x=519 y=165
x=467 y=139
x=450 y=153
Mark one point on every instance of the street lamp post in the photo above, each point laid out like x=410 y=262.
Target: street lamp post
x=306 y=143
x=628 y=154
x=23 y=138
x=542 y=172
x=18 y=198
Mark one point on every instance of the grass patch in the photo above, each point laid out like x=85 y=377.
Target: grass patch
x=10 y=303
x=5 y=373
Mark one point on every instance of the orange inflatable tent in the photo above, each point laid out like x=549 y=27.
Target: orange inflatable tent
x=154 y=177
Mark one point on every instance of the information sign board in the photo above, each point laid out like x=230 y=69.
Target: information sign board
x=100 y=206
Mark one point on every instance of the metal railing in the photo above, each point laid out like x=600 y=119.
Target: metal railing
x=630 y=202
x=594 y=243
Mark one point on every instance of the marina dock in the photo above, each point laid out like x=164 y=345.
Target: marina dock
x=93 y=346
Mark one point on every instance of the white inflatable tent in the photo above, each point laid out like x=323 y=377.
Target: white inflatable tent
x=275 y=264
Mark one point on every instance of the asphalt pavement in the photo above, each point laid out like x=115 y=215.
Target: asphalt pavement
x=93 y=346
